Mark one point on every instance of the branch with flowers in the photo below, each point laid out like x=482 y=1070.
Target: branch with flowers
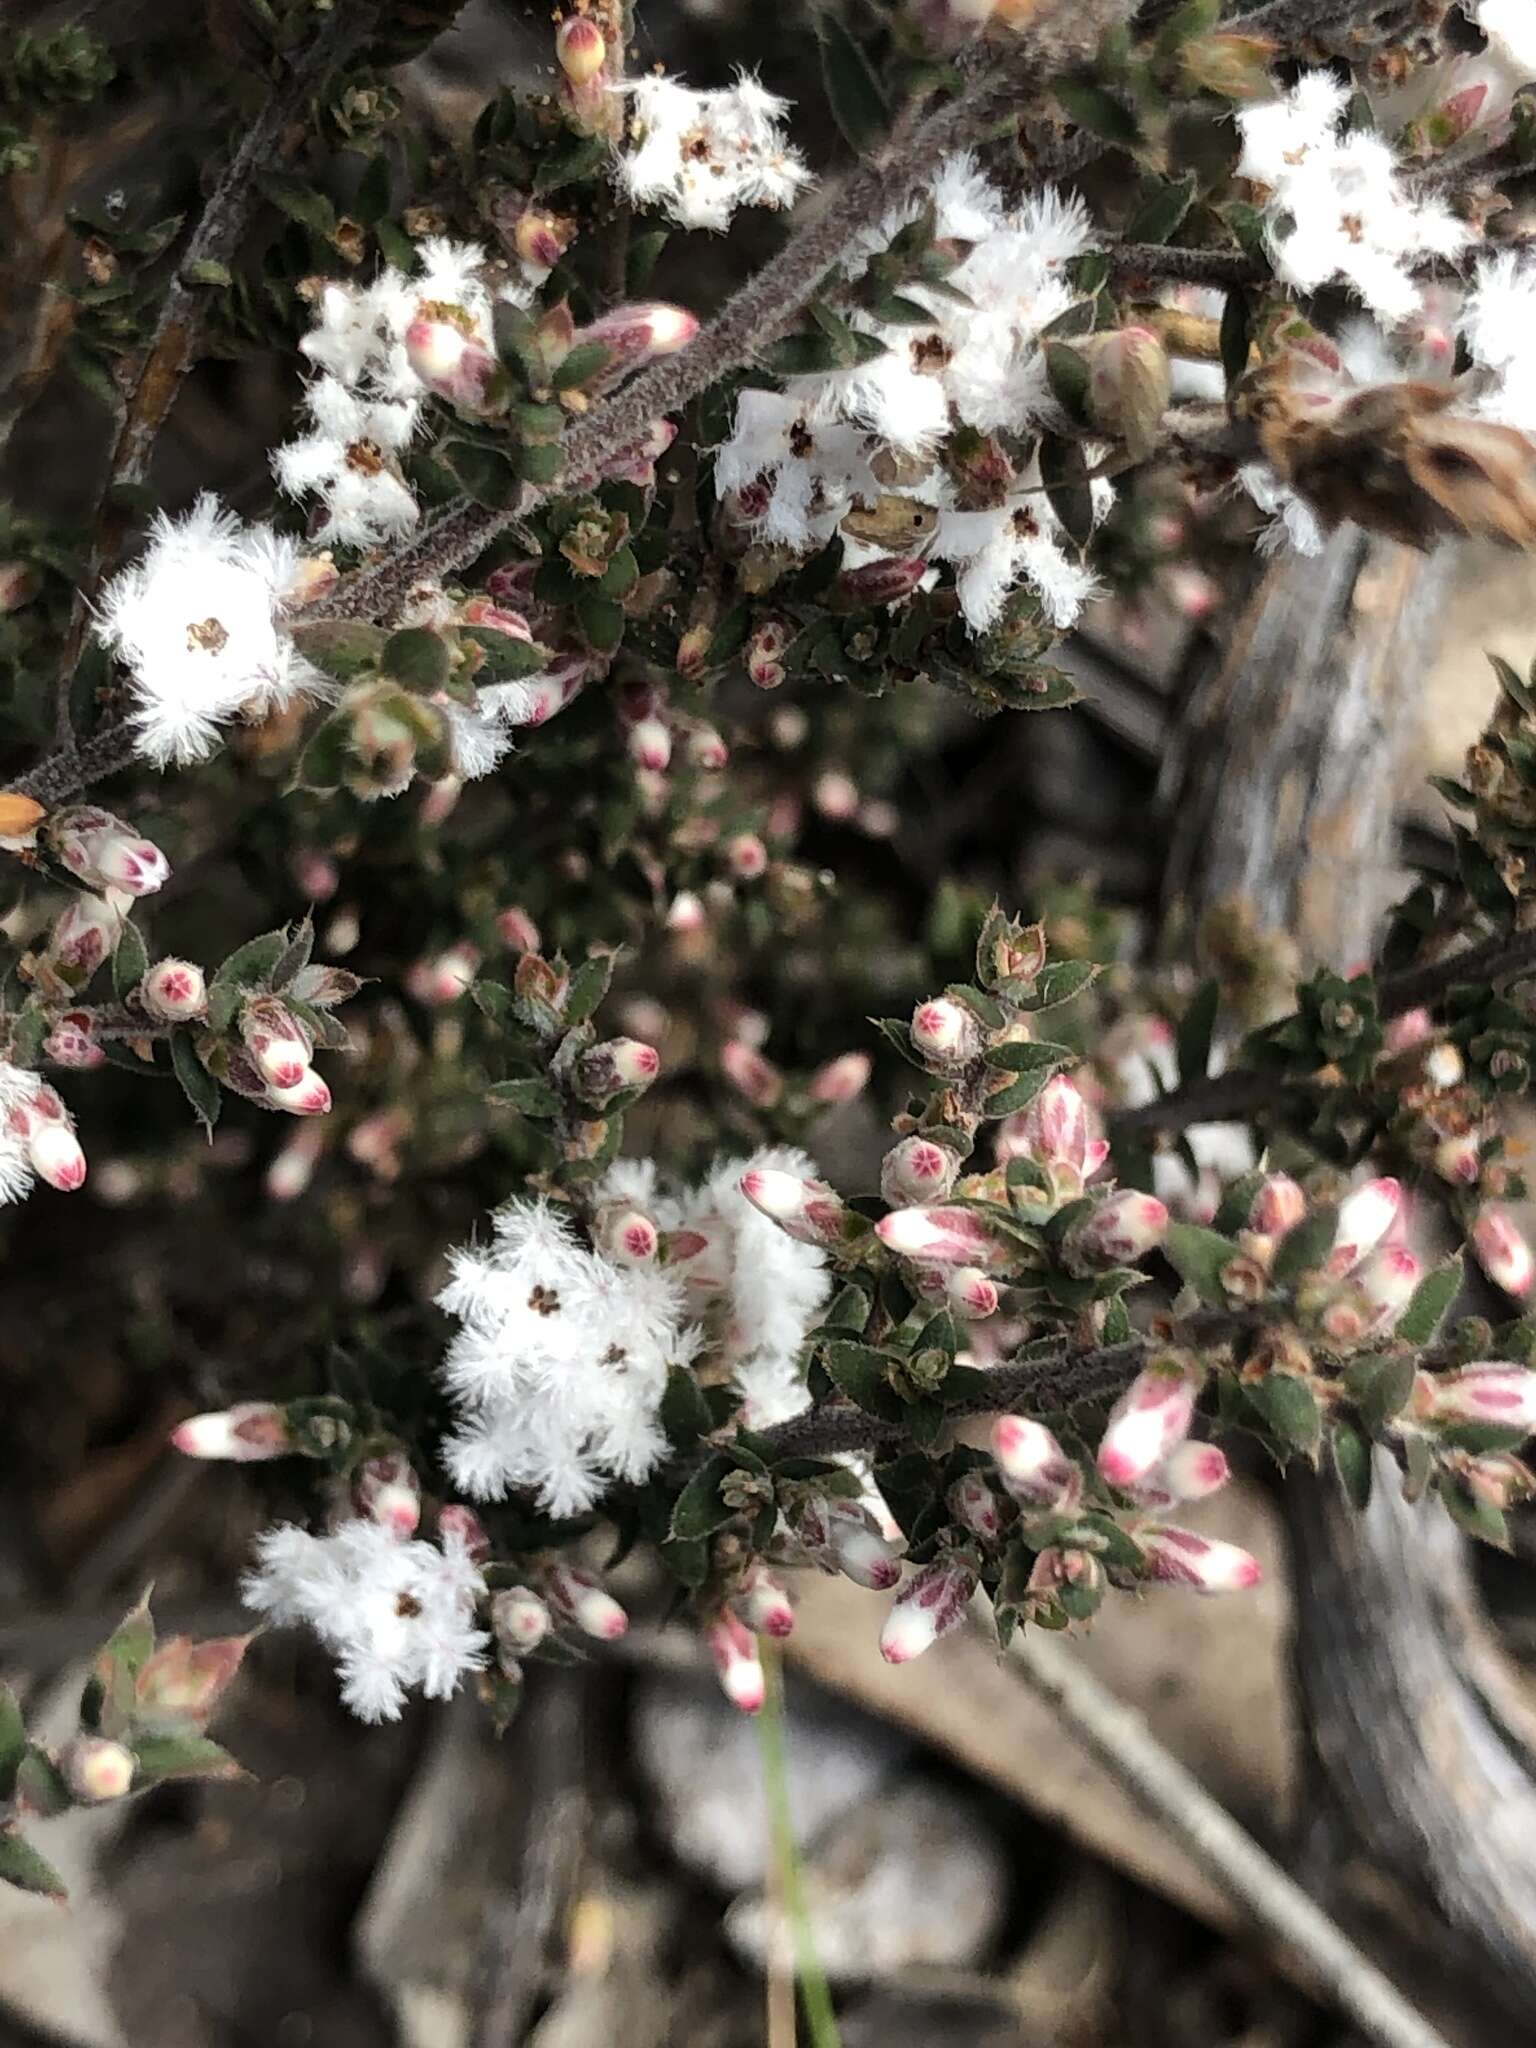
x=584 y=622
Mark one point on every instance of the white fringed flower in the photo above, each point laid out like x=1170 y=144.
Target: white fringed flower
x=1337 y=207
x=18 y=1088
x=798 y=461
x=1498 y=324
x=560 y=1366
x=397 y=1616
x=350 y=462
x=701 y=155
x=758 y=1291
x=198 y=620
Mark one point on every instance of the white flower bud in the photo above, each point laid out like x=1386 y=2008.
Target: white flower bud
x=763 y=1604
x=1146 y=1423
x=519 y=1620
x=1365 y=1217
x=945 y=1032
x=309 y=1096
x=175 y=990
x=737 y=1662
x=1503 y=1253
x=1033 y=1465
x=917 y=1171
x=929 y=1605
x=249 y=1432
x=841 y=1080
x=96 y=1770
x=576 y=1597
x=940 y=1237
x=1179 y=1557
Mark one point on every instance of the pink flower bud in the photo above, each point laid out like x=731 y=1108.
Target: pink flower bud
x=70 y=1043
x=841 y=1080
x=519 y=1620
x=970 y=1294
x=446 y=977
x=1365 y=1217
x=879 y=583
x=1056 y=1132
x=1385 y=1285
x=542 y=697
x=1503 y=1394
x=276 y=1042
x=575 y=1596
x=763 y=651
x=386 y=1490
x=616 y=1064
x=1503 y=1253
x=541 y=239
x=1121 y=1230
x=836 y=796
x=762 y=1602
x=635 y=334
x=96 y=1770
x=1410 y=1029
x=746 y=856
x=736 y=1660
x=580 y=49
x=85 y=933
x=245 y=1434
x=1179 y=1557
x=945 y=1033
x=518 y=929
x=449 y=358
x=940 y=1237
x=1195 y=1471
x=807 y=1210
x=175 y=990
x=52 y=1146
x=707 y=750
x=104 y=853
x=1278 y=1206
x=976 y=1507
x=1456 y=1159
x=309 y=1096
x=628 y=1236
x=1149 y=1420
x=929 y=1605
x=844 y=1537
x=1033 y=1465
x=746 y=1069
x=460 y=1528
x=650 y=744
x=916 y=1170
x=686 y=913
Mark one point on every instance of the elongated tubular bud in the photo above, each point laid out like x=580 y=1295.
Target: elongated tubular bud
x=1195 y=1471
x=634 y=335
x=452 y=362
x=806 y=1209
x=1033 y=1465
x=1278 y=1206
x=762 y=1602
x=1365 y=1217
x=386 y=1490
x=1493 y=1392
x=746 y=1069
x=249 y=1432
x=309 y=1096
x=976 y=1507
x=1179 y=1557
x=1121 y=1230
x=580 y=49
x=460 y=1528
x=1503 y=1253
x=276 y=1042
x=575 y=1596
x=844 y=1537
x=52 y=1147
x=940 y=1237
x=1386 y=1284
x=740 y=1670
x=1056 y=1133
x=1149 y=1420
x=929 y=1605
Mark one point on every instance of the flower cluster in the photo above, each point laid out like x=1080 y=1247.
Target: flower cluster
x=397 y=1616
x=702 y=155
x=1337 y=205
x=200 y=621
x=962 y=367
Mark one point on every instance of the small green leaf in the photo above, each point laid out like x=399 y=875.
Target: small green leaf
x=1420 y=1322
x=1025 y=1057
x=1352 y=1462
x=1379 y=1388
x=130 y=963
x=860 y=1372
x=484 y=474
x=1289 y=1406
x=506 y=660
x=251 y=965
x=341 y=648
x=1162 y=210
x=540 y=462
x=1060 y=982
x=40 y=1786
x=1199 y=1256
x=158 y=1758
x=580 y=365
x=853 y=92
x=22 y=1866
x=1090 y=107
x=13 y=1739
x=685 y=1414
x=699 y=1511
x=207 y=270
x=417 y=658
x=1306 y=1246
x=531 y=1097
x=197 y=1084
x=588 y=985
x=601 y=621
